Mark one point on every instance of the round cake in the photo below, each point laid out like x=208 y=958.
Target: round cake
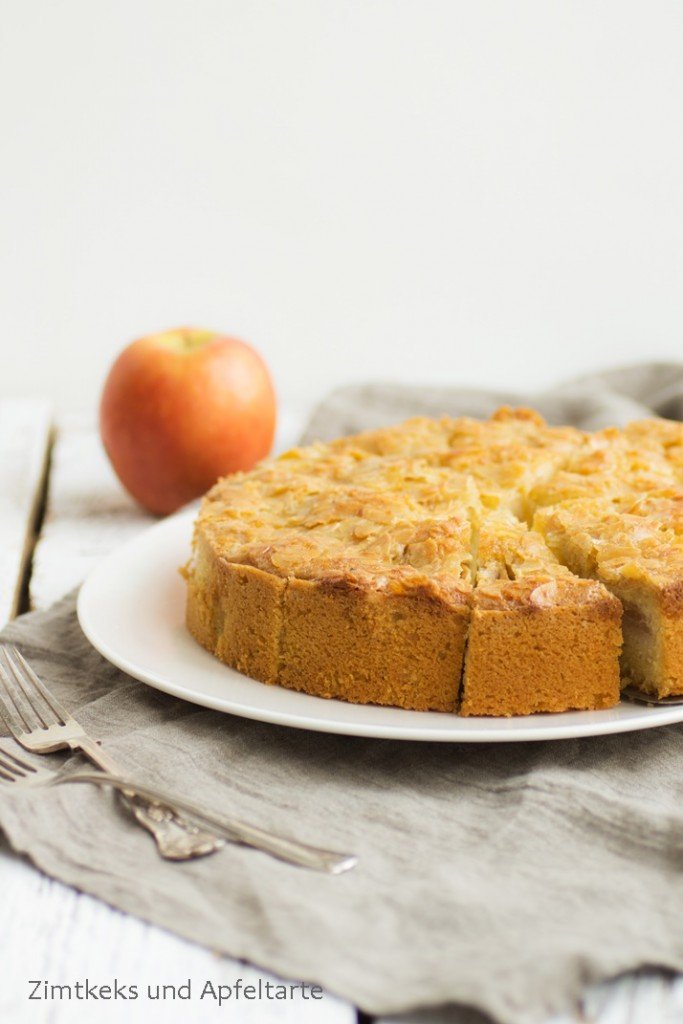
x=451 y=565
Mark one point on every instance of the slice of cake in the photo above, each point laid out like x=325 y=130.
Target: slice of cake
x=635 y=548
x=349 y=581
x=607 y=464
x=540 y=638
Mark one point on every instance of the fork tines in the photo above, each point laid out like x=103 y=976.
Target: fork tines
x=26 y=703
x=13 y=768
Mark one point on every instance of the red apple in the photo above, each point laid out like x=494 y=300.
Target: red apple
x=182 y=408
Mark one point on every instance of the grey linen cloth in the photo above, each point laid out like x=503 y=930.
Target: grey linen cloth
x=505 y=877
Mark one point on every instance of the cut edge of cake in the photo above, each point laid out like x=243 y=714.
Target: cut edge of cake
x=605 y=540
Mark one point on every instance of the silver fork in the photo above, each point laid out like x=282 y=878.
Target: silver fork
x=19 y=773
x=39 y=723
x=640 y=697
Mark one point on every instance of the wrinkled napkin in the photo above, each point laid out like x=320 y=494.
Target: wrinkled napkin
x=505 y=877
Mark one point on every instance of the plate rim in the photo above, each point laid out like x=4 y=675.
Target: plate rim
x=648 y=718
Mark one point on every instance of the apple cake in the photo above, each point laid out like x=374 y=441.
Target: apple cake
x=498 y=567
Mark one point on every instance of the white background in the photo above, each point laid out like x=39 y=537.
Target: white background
x=466 y=191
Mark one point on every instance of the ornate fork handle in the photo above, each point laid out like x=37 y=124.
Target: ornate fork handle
x=176 y=838
x=156 y=800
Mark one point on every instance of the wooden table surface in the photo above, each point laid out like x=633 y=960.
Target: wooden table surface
x=61 y=510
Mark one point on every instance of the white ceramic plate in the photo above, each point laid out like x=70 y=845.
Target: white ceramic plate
x=131 y=608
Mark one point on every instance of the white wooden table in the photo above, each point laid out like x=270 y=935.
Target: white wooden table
x=61 y=509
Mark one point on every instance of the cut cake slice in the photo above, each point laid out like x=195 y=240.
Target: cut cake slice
x=350 y=581
x=540 y=638
x=607 y=464
x=634 y=547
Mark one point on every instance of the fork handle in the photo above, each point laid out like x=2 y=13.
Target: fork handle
x=176 y=838
x=92 y=750
x=290 y=850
